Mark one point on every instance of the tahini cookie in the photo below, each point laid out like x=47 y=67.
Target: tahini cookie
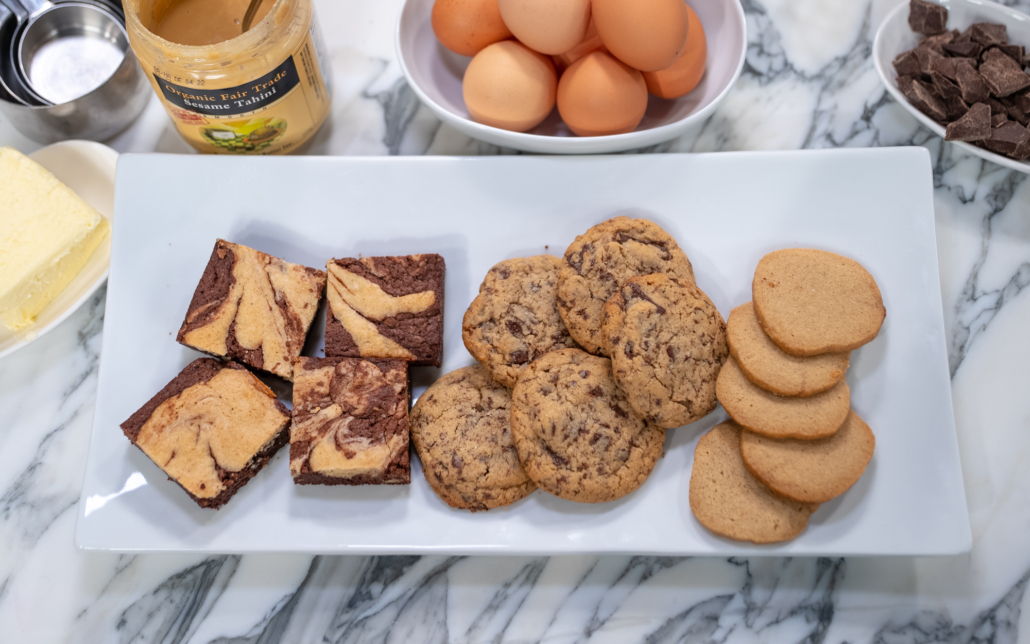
x=732 y=503
x=772 y=369
x=514 y=318
x=667 y=342
x=600 y=260
x=574 y=430
x=810 y=471
x=460 y=427
x=775 y=416
x=811 y=301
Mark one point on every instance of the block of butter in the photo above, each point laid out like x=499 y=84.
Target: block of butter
x=47 y=233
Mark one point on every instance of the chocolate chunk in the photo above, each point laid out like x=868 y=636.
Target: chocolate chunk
x=988 y=33
x=974 y=125
x=922 y=96
x=1009 y=138
x=905 y=84
x=945 y=87
x=1021 y=100
x=1003 y=75
x=907 y=63
x=1016 y=52
x=938 y=42
x=928 y=58
x=954 y=107
x=998 y=119
x=963 y=46
x=944 y=66
x=926 y=18
x=997 y=54
x=970 y=82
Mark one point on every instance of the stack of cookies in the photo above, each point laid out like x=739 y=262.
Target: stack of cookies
x=794 y=441
x=583 y=362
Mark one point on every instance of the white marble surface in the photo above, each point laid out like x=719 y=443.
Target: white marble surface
x=808 y=82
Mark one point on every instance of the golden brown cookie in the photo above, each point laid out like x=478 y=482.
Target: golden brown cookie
x=667 y=343
x=769 y=367
x=775 y=416
x=514 y=318
x=601 y=259
x=731 y=502
x=811 y=301
x=810 y=471
x=575 y=432
x=461 y=432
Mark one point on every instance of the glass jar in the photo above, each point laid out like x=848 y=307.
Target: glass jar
x=261 y=92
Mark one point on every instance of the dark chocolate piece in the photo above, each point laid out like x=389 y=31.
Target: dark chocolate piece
x=927 y=18
x=252 y=307
x=964 y=46
x=938 y=41
x=970 y=82
x=945 y=87
x=926 y=101
x=1003 y=75
x=928 y=58
x=944 y=66
x=386 y=308
x=350 y=422
x=1009 y=139
x=988 y=33
x=954 y=107
x=998 y=119
x=210 y=429
x=974 y=125
x=907 y=64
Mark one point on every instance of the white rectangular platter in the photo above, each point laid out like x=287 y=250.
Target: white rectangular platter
x=726 y=210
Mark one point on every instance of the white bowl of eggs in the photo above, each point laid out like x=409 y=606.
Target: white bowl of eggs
x=572 y=76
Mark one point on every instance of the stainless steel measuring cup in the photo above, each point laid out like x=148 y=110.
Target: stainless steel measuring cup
x=74 y=58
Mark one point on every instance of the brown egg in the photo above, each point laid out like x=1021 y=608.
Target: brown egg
x=645 y=34
x=591 y=42
x=547 y=26
x=599 y=95
x=510 y=86
x=682 y=76
x=467 y=26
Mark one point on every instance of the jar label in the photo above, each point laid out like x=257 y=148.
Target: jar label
x=241 y=99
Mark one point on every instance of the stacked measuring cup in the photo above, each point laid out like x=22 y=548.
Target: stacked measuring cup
x=66 y=70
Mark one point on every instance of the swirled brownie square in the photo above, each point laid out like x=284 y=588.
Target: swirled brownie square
x=210 y=429
x=252 y=307
x=350 y=422
x=386 y=308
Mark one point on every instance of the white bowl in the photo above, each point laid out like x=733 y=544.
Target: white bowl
x=435 y=74
x=894 y=36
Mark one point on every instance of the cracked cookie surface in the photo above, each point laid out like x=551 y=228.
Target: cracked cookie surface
x=600 y=260
x=771 y=368
x=667 y=342
x=460 y=427
x=574 y=430
x=514 y=318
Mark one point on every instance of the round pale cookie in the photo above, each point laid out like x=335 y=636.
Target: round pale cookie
x=460 y=428
x=769 y=367
x=811 y=301
x=601 y=259
x=775 y=416
x=731 y=502
x=810 y=471
x=667 y=342
x=575 y=432
x=514 y=319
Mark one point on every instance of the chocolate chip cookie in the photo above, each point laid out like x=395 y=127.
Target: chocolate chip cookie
x=575 y=432
x=600 y=260
x=514 y=318
x=667 y=343
x=460 y=427
x=811 y=301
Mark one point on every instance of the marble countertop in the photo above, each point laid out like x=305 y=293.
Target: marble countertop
x=808 y=83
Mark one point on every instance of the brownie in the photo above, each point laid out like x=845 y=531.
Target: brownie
x=252 y=307
x=350 y=422
x=210 y=429
x=386 y=308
